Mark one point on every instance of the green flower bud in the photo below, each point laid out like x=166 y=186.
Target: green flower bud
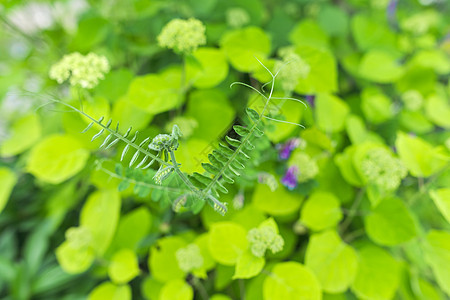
x=382 y=169
x=237 y=17
x=84 y=71
x=263 y=238
x=189 y=258
x=183 y=36
x=258 y=249
x=277 y=244
x=292 y=68
x=307 y=166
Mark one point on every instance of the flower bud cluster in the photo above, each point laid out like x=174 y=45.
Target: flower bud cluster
x=237 y=17
x=264 y=238
x=307 y=166
x=189 y=258
x=83 y=70
x=292 y=68
x=382 y=169
x=183 y=36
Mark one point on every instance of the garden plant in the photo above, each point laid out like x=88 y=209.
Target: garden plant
x=211 y=149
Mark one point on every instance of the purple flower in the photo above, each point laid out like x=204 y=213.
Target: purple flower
x=392 y=9
x=290 y=178
x=391 y=12
x=288 y=147
x=311 y=100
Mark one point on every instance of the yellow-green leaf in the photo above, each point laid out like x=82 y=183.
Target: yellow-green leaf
x=123 y=266
x=110 y=291
x=291 y=281
x=57 y=158
x=8 y=180
x=441 y=198
x=100 y=215
x=24 y=133
x=248 y=265
x=176 y=289
x=227 y=241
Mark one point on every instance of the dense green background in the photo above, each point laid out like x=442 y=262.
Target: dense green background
x=74 y=225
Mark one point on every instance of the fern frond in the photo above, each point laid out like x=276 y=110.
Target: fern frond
x=130 y=143
x=227 y=161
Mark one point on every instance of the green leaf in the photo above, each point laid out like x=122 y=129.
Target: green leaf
x=378 y=274
x=110 y=291
x=390 y=223
x=57 y=158
x=280 y=202
x=344 y=161
x=115 y=84
x=421 y=158
x=132 y=228
x=331 y=113
x=176 y=289
x=415 y=121
x=248 y=265
x=202 y=241
x=74 y=260
x=441 y=198
x=24 y=134
x=357 y=132
x=376 y=106
x=212 y=111
x=290 y=111
x=100 y=215
x=162 y=262
x=380 y=67
x=334 y=262
x=151 y=288
x=437 y=255
x=291 y=281
x=435 y=59
x=8 y=180
x=227 y=241
x=241 y=130
x=321 y=211
x=193 y=153
x=99 y=109
x=127 y=114
x=334 y=20
x=437 y=110
x=309 y=33
x=232 y=142
x=123 y=266
x=322 y=77
x=209 y=68
x=92 y=30
x=372 y=33
x=153 y=94
x=242 y=46
x=253 y=115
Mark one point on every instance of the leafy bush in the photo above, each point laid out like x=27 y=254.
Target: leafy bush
x=225 y=149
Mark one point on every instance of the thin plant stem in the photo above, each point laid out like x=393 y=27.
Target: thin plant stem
x=181 y=174
x=196 y=282
x=143 y=183
x=353 y=235
x=242 y=289
x=353 y=210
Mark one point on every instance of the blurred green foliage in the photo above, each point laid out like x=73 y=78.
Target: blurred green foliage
x=367 y=217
